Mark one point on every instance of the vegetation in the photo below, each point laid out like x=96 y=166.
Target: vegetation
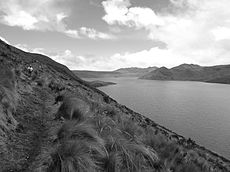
x=111 y=141
x=8 y=97
x=72 y=108
x=92 y=132
x=104 y=145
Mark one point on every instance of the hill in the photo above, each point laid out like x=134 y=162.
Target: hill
x=135 y=71
x=122 y=72
x=191 y=72
x=42 y=128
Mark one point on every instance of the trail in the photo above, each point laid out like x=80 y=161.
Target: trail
x=34 y=114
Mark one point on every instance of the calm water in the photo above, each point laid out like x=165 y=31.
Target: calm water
x=197 y=110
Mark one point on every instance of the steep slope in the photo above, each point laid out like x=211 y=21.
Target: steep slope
x=191 y=72
x=159 y=74
x=111 y=138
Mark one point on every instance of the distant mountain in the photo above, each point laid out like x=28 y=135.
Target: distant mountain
x=191 y=72
x=95 y=74
x=135 y=70
x=122 y=72
x=100 y=83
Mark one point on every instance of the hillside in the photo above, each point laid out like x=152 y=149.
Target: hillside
x=39 y=133
x=191 y=72
x=122 y=72
x=135 y=71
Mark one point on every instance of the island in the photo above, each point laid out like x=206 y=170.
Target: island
x=98 y=83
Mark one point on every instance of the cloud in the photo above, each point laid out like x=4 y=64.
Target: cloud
x=72 y=33
x=221 y=33
x=83 y=62
x=143 y=58
x=42 y=15
x=199 y=34
x=93 y=34
x=118 y=12
x=32 y=15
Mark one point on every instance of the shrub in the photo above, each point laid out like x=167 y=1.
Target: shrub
x=79 y=148
x=130 y=130
x=72 y=156
x=54 y=86
x=80 y=131
x=128 y=156
x=73 y=108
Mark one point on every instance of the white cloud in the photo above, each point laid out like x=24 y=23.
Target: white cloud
x=23 y=19
x=93 y=34
x=221 y=33
x=200 y=34
x=31 y=15
x=72 y=33
x=41 y=15
x=118 y=11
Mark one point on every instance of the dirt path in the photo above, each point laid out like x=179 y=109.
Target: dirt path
x=34 y=115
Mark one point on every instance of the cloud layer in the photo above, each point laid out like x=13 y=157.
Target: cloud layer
x=200 y=34
x=43 y=15
x=193 y=31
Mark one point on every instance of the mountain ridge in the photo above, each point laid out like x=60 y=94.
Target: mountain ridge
x=121 y=72
x=191 y=72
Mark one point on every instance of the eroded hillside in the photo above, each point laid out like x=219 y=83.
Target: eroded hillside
x=110 y=137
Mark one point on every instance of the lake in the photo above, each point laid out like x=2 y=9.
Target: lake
x=197 y=110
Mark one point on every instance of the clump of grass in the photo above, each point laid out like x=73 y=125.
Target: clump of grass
x=72 y=108
x=79 y=148
x=72 y=156
x=54 y=86
x=104 y=125
x=130 y=130
x=128 y=156
x=154 y=139
x=111 y=112
x=80 y=131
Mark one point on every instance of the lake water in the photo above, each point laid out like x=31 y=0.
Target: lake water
x=197 y=110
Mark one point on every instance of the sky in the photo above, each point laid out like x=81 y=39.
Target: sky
x=112 y=34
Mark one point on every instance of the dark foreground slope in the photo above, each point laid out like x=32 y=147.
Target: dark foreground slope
x=109 y=138
x=191 y=72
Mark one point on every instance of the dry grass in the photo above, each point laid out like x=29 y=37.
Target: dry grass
x=80 y=131
x=73 y=108
x=8 y=98
x=72 y=156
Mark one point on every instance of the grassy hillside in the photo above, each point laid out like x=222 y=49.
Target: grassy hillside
x=87 y=131
x=191 y=72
